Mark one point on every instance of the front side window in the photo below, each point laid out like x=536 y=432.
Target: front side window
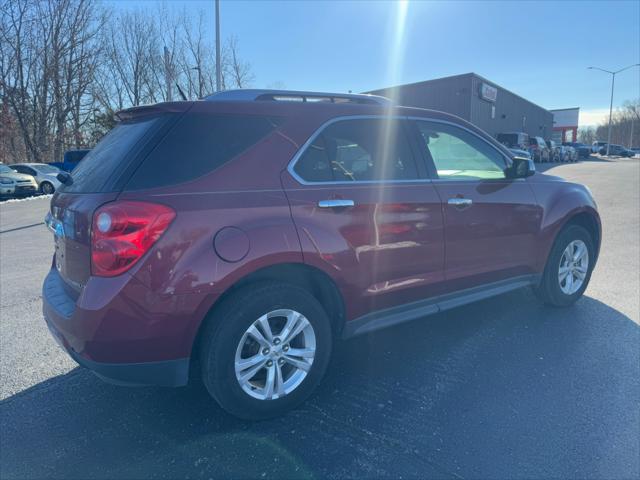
x=47 y=169
x=358 y=150
x=458 y=154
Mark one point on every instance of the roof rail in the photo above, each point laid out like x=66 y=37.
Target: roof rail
x=251 y=95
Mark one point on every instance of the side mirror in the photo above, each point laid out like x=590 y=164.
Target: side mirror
x=521 y=167
x=64 y=178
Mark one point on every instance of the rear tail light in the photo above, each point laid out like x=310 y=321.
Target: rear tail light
x=122 y=232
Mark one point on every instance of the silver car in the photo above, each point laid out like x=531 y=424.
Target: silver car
x=45 y=175
x=16 y=184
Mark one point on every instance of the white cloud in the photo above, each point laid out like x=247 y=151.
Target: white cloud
x=592 y=118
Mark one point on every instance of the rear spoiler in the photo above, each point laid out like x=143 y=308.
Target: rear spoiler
x=151 y=110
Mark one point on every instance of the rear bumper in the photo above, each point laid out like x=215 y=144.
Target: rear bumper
x=169 y=373
x=100 y=333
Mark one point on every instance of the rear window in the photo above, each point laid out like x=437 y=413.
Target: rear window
x=104 y=164
x=508 y=139
x=198 y=144
x=512 y=139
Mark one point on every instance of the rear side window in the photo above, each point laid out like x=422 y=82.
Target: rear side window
x=358 y=151
x=111 y=156
x=198 y=144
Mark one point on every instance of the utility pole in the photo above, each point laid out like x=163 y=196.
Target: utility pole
x=218 y=72
x=613 y=83
x=167 y=74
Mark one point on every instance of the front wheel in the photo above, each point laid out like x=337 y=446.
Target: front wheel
x=265 y=349
x=568 y=268
x=47 y=188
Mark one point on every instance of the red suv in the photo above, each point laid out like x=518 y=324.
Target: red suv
x=246 y=232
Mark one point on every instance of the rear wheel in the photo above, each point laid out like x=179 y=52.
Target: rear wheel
x=265 y=350
x=568 y=268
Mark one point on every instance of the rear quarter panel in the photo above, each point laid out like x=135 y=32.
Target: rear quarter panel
x=245 y=194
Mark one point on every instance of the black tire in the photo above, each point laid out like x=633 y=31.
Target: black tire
x=47 y=188
x=549 y=290
x=222 y=335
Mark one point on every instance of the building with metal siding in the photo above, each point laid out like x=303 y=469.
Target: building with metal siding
x=479 y=101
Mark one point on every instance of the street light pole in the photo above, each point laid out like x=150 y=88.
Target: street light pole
x=613 y=83
x=218 y=72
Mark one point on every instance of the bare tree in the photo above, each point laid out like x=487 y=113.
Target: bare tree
x=625 y=125
x=587 y=135
x=67 y=65
x=238 y=70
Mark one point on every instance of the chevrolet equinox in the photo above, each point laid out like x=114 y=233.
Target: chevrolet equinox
x=246 y=232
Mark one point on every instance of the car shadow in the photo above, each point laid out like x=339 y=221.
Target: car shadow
x=503 y=388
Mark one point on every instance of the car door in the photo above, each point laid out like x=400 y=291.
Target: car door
x=491 y=222
x=367 y=214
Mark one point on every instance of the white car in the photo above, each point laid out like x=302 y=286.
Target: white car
x=45 y=175
x=16 y=184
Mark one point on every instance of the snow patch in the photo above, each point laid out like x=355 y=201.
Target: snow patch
x=26 y=199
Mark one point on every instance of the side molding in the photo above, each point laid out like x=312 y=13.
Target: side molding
x=412 y=311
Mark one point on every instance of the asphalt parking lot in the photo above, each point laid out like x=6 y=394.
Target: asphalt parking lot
x=505 y=388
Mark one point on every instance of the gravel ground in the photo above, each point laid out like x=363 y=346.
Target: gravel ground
x=505 y=388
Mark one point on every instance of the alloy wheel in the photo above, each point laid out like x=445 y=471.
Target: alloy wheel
x=574 y=265
x=275 y=354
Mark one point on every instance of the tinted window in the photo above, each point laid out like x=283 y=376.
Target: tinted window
x=111 y=156
x=198 y=144
x=358 y=150
x=508 y=139
x=47 y=169
x=459 y=154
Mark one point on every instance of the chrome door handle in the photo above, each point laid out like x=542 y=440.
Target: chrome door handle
x=460 y=202
x=336 y=203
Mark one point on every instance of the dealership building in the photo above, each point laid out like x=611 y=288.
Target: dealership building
x=479 y=101
x=565 y=124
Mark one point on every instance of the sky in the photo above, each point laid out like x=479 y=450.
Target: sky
x=538 y=50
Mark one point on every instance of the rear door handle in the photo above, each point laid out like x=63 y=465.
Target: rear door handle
x=460 y=202
x=336 y=203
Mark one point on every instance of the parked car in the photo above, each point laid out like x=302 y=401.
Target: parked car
x=564 y=153
x=617 y=150
x=287 y=225
x=519 y=140
x=635 y=150
x=584 y=151
x=554 y=151
x=539 y=150
x=573 y=154
x=596 y=146
x=71 y=159
x=13 y=184
x=520 y=153
x=45 y=175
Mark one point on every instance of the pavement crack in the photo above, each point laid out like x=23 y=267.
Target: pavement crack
x=21 y=228
x=21 y=302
